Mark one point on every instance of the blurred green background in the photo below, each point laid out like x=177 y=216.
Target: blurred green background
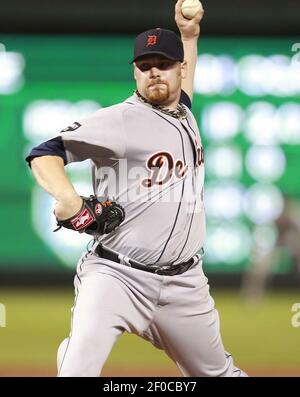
x=246 y=102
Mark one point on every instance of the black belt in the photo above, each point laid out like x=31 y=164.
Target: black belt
x=161 y=270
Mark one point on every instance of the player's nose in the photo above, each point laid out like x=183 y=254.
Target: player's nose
x=154 y=72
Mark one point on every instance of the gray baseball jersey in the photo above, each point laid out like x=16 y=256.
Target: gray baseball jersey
x=152 y=163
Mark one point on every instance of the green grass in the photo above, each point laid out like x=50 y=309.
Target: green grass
x=36 y=322
x=258 y=336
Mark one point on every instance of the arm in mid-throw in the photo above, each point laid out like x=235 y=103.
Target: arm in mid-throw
x=190 y=32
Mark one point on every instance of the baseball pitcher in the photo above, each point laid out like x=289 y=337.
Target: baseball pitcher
x=143 y=273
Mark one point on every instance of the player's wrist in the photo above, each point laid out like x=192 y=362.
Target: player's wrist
x=67 y=196
x=68 y=206
x=190 y=36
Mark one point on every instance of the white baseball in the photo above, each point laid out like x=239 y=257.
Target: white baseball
x=190 y=8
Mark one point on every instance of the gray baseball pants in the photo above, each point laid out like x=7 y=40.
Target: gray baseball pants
x=174 y=313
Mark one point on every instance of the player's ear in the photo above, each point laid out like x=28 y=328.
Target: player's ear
x=183 y=69
x=134 y=71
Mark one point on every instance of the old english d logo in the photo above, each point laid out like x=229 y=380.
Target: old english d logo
x=152 y=40
x=163 y=168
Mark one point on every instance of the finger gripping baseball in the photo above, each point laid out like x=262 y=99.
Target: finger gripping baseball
x=95 y=217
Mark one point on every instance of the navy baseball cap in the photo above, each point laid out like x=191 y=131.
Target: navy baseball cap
x=159 y=41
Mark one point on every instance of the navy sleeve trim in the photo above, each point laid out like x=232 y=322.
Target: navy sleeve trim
x=185 y=99
x=53 y=147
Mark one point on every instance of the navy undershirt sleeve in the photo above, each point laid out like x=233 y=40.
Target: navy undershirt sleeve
x=53 y=147
x=185 y=99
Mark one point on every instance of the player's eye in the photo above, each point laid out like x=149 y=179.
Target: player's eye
x=164 y=65
x=144 y=67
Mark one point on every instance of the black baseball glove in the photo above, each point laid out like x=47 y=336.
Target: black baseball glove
x=95 y=217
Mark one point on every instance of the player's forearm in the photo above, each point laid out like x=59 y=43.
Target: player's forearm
x=50 y=174
x=191 y=57
x=190 y=32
